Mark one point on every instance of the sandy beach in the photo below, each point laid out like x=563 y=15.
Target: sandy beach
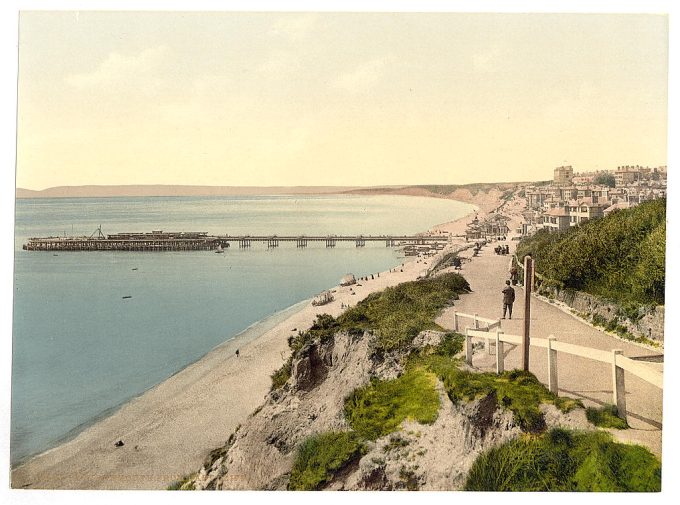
x=169 y=430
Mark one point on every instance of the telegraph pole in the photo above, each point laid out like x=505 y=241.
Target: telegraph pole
x=528 y=285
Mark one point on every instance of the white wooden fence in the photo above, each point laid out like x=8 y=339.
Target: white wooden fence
x=615 y=357
x=477 y=321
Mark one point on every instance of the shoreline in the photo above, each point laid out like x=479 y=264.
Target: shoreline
x=252 y=332
x=169 y=429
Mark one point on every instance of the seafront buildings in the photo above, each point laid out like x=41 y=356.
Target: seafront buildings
x=574 y=198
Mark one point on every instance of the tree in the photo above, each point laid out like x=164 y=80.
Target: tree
x=605 y=179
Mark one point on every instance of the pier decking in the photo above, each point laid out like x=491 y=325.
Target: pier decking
x=201 y=241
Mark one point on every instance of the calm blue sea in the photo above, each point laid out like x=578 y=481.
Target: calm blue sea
x=80 y=349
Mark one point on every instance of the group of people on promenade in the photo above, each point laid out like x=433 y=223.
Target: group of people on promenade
x=502 y=249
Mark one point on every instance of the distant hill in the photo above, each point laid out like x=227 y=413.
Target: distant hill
x=170 y=190
x=466 y=192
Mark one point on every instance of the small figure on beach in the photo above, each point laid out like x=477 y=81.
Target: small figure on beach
x=119 y=443
x=237 y=353
x=508 y=299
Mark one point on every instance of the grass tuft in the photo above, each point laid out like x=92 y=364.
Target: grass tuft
x=606 y=417
x=321 y=457
x=381 y=406
x=564 y=460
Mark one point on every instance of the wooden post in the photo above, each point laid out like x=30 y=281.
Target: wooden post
x=455 y=321
x=528 y=283
x=476 y=321
x=552 y=366
x=618 y=386
x=468 y=347
x=499 y=352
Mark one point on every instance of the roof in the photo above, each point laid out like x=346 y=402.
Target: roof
x=558 y=211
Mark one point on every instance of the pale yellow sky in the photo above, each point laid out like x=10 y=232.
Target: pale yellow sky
x=335 y=99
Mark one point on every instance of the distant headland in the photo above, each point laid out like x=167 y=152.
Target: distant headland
x=151 y=190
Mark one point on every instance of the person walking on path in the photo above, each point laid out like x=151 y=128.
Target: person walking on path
x=508 y=299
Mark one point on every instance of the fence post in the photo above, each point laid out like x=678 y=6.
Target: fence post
x=528 y=285
x=476 y=321
x=499 y=352
x=455 y=321
x=618 y=386
x=552 y=366
x=468 y=347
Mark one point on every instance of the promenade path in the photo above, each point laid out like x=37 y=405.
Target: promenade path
x=588 y=380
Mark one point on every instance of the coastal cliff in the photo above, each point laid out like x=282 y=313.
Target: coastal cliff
x=433 y=455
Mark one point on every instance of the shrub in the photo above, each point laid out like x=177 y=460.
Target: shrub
x=321 y=456
x=621 y=256
x=563 y=460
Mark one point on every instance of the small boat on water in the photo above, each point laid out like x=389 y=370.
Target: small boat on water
x=126 y=297
x=219 y=249
x=323 y=298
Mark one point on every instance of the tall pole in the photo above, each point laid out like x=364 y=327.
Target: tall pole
x=528 y=285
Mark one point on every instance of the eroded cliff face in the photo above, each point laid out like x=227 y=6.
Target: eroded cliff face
x=260 y=454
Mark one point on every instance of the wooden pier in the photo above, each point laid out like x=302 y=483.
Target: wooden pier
x=201 y=241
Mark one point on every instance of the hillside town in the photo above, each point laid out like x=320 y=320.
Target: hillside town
x=574 y=198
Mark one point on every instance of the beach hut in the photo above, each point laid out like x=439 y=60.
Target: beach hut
x=348 y=280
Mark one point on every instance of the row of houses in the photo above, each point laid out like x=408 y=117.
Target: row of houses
x=623 y=175
x=563 y=204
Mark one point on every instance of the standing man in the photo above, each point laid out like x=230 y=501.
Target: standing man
x=508 y=299
x=514 y=274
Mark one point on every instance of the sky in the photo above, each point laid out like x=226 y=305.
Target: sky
x=268 y=99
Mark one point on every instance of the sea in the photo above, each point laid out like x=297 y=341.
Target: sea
x=91 y=330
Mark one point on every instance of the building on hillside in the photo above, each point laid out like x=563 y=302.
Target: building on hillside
x=584 y=210
x=627 y=174
x=617 y=206
x=563 y=175
x=556 y=219
x=535 y=198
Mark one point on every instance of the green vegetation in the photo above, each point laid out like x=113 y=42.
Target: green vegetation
x=396 y=316
x=186 y=483
x=620 y=257
x=380 y=407
x=321 y=456
x=399 y=313
x=606 y=417
x=613 y=326
x=563 y=460
x=516 y=390
x=281 y=376
x=445 y=262
x=605 y=179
